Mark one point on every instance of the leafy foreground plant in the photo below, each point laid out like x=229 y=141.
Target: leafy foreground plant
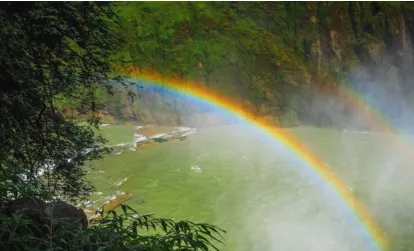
x=54 y=56
x=120 y=229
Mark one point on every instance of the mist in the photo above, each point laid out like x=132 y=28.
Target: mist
x=353 y=112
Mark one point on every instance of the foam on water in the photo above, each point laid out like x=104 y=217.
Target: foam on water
x=119 y=152
x=197 y=169
x=183 y=129
x=361 y=132
x=120 y=182
x=139 y=138
x=188 y=133
x=288 y=225
x=159 y=135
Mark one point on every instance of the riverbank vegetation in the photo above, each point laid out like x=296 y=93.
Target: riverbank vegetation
x=292 y=63
x=53 y=54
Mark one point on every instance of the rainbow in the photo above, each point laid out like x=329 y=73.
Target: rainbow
x=332 y=184
x=371 y=116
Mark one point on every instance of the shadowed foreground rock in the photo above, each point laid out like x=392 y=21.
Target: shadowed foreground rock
x=47 y=216
x=66 y=213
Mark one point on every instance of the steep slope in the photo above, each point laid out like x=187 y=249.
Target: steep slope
x=295 y=62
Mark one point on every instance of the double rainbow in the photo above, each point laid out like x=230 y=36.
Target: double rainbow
x=332 y=184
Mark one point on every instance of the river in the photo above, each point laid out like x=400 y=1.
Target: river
x=252 y=187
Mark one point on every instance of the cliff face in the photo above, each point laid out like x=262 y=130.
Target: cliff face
x=369 y=44
x=293 y=62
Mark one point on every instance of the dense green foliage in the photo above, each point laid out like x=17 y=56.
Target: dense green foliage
x=125 y=230
x=53 y=56
x=284 y=60
x=50 y=51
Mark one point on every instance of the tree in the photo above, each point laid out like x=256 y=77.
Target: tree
x=55 y=54
x=51 y=51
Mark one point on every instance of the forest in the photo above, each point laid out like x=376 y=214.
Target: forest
x=292 y=62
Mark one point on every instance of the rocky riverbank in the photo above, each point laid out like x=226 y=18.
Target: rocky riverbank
x=151 y=135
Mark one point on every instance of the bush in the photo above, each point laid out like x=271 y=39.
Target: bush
x=119 y=229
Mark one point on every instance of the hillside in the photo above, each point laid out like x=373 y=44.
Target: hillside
x=293 y=62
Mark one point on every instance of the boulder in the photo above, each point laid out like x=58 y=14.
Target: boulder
x=145 y=145
x=30 y=208
x=66 y=213
x=44 y=214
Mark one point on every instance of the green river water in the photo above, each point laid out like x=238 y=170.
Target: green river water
x=239 y=180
